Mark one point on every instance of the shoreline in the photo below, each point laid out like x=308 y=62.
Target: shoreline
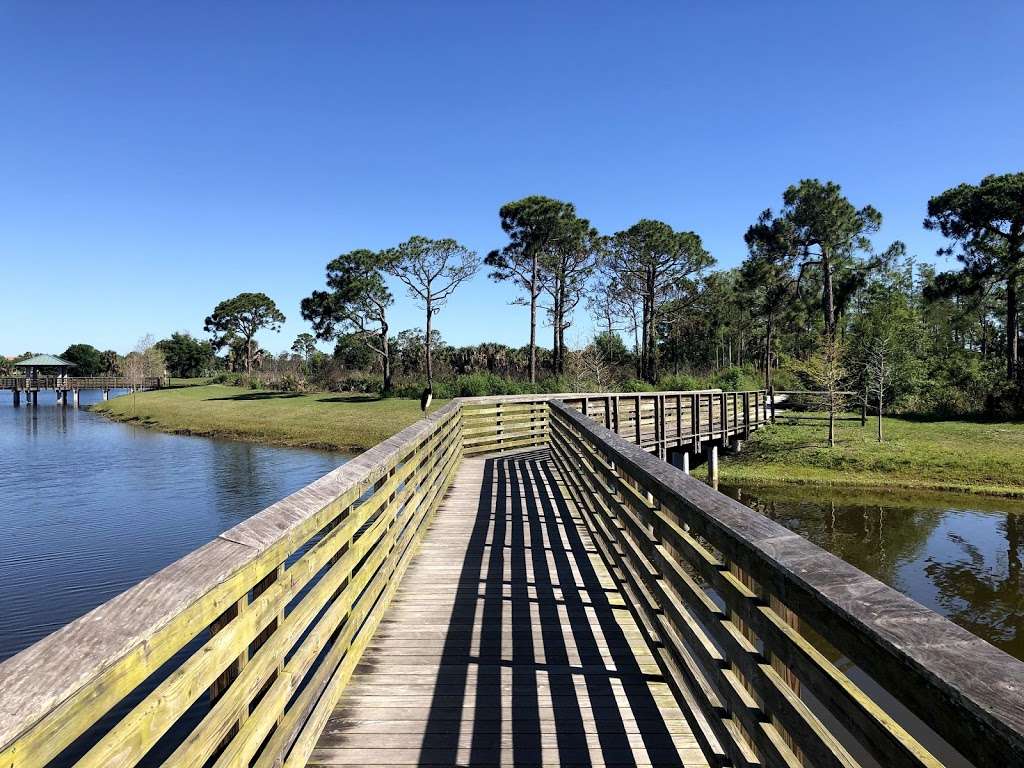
x=956 y=457
x=331 y=421
x=228 y=434
x=882 y=486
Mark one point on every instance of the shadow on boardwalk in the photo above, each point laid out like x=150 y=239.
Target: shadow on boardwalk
x=508 y=644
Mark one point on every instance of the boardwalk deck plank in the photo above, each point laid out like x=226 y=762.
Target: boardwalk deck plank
x=507 y=643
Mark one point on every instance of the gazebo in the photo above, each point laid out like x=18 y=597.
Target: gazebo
x=46 y=365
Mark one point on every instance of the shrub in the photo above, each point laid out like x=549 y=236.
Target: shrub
x=681 y=382
x=231 y=379
x=737 y=378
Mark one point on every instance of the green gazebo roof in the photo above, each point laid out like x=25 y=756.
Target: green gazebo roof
x=44 y=361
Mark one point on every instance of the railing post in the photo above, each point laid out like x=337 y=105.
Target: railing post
x=608 y=412
x=695 y=421
x=746 y=414
x=659 y=422
x=637 y=418
x=679 y=420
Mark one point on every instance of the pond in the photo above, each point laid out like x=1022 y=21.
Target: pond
x=960 y=555
x=89 y=507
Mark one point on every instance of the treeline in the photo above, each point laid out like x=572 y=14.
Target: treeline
x=816 y=303
x=145 y=360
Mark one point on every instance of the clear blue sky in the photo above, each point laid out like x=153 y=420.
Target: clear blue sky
x=158 y=157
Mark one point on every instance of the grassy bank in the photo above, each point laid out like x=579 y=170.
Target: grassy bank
x=335 y=421
x=958 y=456
x=975 y=457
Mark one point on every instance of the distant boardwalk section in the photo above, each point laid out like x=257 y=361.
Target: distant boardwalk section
x=46 y=372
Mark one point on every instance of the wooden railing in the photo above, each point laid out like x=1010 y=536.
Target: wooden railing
x=254 y=635
x=656 y=421
x=79 y=382
x=237 y=653
x=727 y=596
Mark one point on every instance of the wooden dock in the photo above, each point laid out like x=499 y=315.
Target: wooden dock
x=63 y=386
x=508 y=643
x=521 y=581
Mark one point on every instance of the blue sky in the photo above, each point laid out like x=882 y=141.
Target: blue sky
x=156 y=158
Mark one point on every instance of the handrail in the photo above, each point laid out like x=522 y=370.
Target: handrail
x=281 y=603
x=79 y=382
x=739 y=659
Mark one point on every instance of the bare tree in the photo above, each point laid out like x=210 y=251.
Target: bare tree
x=144 y=361
x=604 y=307
x=877 y=369
x=431 y=270
x=825 y=371
x=587 y=368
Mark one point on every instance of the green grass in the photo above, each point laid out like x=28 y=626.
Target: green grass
x=195 y=382
x=329 y=420
x=969 y=456
x=972 y=456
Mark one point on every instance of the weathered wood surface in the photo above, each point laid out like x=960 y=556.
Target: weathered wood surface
x=657 y=421
x=362 y=520
x=652 y=516
x=508 y=643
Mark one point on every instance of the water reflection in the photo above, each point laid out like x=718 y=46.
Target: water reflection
x=959 y=555
x=89 y=507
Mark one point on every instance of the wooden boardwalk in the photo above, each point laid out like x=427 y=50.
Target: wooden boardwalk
x=508 y=643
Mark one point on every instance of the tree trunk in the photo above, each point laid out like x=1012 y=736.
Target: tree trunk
x=652 y=348
x=879 y=414
x=828 y=299
x=556 y=349
x=561 y=328
x=768 y=354
x=248 y=356
x=831 y=425
x=430 y=361
x=644 y=314
x=385 y=359
x=1012 y=329
x=533 y=319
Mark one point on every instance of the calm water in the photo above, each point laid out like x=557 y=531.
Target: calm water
x=88 y=507
x=959 y=555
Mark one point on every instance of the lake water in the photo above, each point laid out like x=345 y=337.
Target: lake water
x=960 y=555
x=89 y=507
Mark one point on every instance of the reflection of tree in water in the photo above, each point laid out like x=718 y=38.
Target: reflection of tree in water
x=876 y=538
x=985 y=597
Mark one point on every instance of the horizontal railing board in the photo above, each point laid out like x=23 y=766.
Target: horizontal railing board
x=38 y=680
x=970 y=692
